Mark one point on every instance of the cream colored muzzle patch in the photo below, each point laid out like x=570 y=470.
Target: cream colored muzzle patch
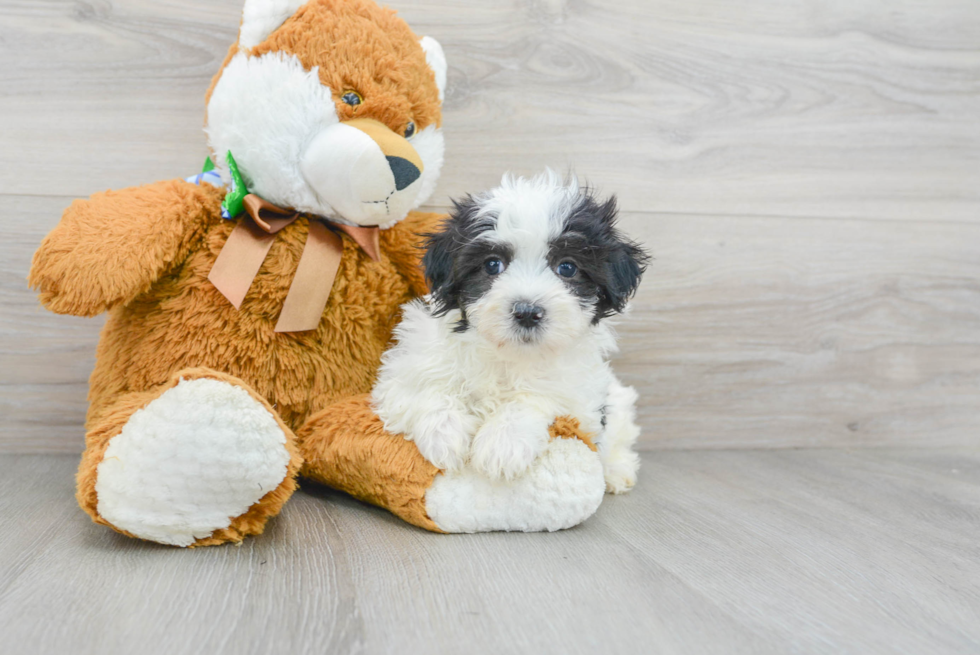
x=392 y=145
x=366 y=172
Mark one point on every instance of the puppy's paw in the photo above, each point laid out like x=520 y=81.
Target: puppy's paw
x=445 y=440
x=620 y=471
x=505 y=449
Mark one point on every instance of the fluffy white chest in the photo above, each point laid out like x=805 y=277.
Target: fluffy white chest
x=573 y=383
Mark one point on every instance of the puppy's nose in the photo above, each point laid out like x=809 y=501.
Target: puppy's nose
x=528 y=315
x=405 y=172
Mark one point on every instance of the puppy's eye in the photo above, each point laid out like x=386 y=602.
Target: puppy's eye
x=410 y=130
x=352 y=98
x=567 y=269
x=494 y=266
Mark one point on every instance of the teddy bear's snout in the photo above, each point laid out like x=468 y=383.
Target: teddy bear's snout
x=405 y=172
x=368 y=174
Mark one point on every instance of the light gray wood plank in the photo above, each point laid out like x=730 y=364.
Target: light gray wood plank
x=45 y=359
x=759 y=332
x=830 y=547
x=847 y=109
x=747 y=332
x=714 y=552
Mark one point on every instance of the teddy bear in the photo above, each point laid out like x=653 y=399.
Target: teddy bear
x=249 y=306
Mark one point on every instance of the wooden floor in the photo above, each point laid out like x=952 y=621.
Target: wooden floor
x=807 y=177
x=812 y=551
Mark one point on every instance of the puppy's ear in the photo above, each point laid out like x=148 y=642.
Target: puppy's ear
x=625 y=264
x=625 y=267
x=441 y=254
x=439 y=262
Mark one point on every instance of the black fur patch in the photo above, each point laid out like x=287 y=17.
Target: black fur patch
x=455 y=257
x=609 y=263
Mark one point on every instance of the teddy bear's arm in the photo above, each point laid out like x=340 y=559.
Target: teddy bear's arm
x=405 y=243
x=113 y=246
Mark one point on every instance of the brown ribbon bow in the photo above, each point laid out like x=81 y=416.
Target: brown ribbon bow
x=248 y=244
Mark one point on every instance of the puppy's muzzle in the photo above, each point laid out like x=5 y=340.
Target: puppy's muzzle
x=528 y=315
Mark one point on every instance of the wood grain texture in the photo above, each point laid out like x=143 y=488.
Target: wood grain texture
x=713 y=552
x=847 y=109
x=761 y=332
x=746 y=332
x=805 y=175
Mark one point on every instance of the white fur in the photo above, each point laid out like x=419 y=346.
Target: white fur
x=561 y=489
x=350 y=173
x=281 y=125
x=436 y=59
x=616 y=447
x=266 y=110
x=189 y=462
x=510 y=438
x=430 y=145
x=528 y=214
x=260 y=18
x=487 y=395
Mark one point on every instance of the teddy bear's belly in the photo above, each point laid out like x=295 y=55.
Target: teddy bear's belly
x=184 y=323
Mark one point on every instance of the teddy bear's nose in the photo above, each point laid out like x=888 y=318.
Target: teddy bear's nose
x=405 y=172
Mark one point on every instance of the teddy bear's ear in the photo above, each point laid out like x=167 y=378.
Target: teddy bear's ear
x=436 y=59
x=260 y=18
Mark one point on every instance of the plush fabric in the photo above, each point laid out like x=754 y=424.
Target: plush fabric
x=88 y=264
x=563 y=487
x=346 y=447
x=110 y=248
x=348 y=46
x=144 y=254
x=110 y=424
x=181 y=321
x=358 y=46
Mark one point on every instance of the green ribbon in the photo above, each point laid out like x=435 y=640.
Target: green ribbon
x=234 y=202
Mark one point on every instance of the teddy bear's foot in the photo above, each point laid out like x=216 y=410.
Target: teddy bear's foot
x=204 y=462
x=345 y=446
x=562 y=487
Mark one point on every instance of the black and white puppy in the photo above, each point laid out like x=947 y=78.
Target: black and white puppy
x=514 y=334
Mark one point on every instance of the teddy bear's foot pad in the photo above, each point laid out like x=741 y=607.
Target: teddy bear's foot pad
x=562 y=488
x=190 y=462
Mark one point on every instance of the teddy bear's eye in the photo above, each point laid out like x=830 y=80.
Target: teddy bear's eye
x=410 y=130
x=352 y=98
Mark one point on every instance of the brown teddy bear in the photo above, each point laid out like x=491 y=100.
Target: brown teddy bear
x=249 y=306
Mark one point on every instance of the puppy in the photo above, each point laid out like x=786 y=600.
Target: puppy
x=514 y=332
